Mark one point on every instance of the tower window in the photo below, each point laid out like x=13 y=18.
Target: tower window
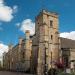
x=51 y=37
x=51 y=23
x=38 y=22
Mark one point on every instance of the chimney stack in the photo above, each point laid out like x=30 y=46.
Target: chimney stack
x=10 y=46
x=27 y=34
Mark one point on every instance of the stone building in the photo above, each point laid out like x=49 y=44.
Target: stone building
x=40 y=52
x=45 y=41
x=48 y=47
x=67 y=48
x=6 y=61
x=18 y=57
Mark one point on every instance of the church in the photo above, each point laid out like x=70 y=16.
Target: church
x=42 y=51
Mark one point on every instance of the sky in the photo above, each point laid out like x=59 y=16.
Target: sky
x=17 y=16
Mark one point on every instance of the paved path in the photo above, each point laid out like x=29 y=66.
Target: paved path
x=12 y=73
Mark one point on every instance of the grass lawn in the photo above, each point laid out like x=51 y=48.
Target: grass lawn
x=66 y=74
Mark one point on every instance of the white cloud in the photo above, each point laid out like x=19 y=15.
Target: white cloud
x=3 y=48
x=1 y=2
x=69 y=35
x=6 y=12
x=18 y=24
x=15 y=8
x=27 y=24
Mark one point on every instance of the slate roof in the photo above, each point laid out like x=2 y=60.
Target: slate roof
x=67 y=43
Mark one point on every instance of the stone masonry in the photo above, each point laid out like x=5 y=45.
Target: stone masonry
x=46 y=32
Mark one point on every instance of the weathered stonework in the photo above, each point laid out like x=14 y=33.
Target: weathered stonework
x=40 y=52
x=18 y=57
x=47 y=39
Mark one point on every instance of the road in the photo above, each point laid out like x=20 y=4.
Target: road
x=12 y=73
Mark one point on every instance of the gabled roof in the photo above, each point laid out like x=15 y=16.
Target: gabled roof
x=67 y=43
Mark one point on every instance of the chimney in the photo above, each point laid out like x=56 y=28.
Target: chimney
x=27 y=34
x=10 y=46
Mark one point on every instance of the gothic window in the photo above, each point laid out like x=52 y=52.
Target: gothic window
x=66 y=61
x=38 y=22
x=51 y=23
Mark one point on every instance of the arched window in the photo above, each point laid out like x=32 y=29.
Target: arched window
x=51 y=37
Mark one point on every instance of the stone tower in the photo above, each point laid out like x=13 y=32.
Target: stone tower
x=27 y=50
x=10 y=46
x=19 y=49
x=47 y=42
x=24 y=52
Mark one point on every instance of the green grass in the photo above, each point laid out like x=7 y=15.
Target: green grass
x=66 y=74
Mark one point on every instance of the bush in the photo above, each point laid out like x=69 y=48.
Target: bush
x=52 y=71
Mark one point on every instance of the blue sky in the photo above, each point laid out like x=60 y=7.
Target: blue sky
x=28 y=9
x=23 y=11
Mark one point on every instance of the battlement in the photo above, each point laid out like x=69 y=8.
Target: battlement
x=49 y=13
